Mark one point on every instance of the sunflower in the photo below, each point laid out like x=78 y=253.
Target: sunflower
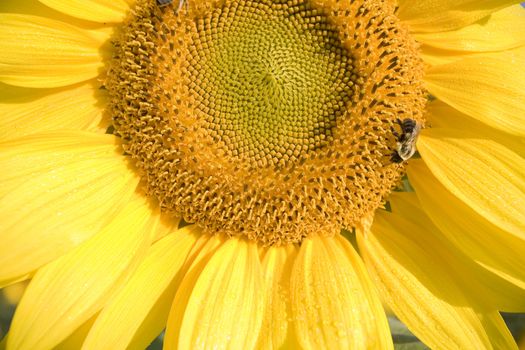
x=245 y=175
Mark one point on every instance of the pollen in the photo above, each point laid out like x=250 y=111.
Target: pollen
x=269 y=119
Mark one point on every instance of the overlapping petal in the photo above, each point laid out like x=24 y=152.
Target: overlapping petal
x=500 y=31
x=31 y=111
x=68 y=291
x=443 y=15
x=489 y=88
x=482 y=173
x=420 y=290
x=277 y=331
x=43 y=53
x=220 y=302
x=76 y=339
x=168 y=224
x=333 y=299
x=435 y=57
x=36 y=8
x=484 y=287
x=495 y=250
x=443 y=116
x=56 y=191
x=113 y=11
x=161 y=270
x=197 y=259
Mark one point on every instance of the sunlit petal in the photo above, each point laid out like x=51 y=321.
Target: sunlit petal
x=486 y=244
x=42 y=52
x=226 y=305
x=442 y=15
x=482 y=173
x=489 y=88
x=500 y=31
x=92 y=10
x=277 y=330
x=32 y=111
x=333 y=299
x=160 y=270
x=70 y=290
x=420 y=290
x=56 y=191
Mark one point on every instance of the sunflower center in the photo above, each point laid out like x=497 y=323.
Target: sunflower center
x=270 y=119
x=270 y=80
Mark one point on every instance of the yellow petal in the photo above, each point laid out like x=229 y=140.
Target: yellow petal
x=67 y=292
x=92 y=10
x=168 y=224
x=482 y=285
x=443 y=15
x=40 y=153
x=80 y=107
x=35 y=8
x=76 y=339
x=497 y=331
x=277 y=331
x=42 y=52
x=495 y=250
x=443 y=116
x=334 y=303
x=161 y=270
x=155 y=322
x=500 y=31
x=10 y=281
x=490 y=88
x=482 y=173
x=435 y=57
x=226 y=305
x=56 y=191
x=197 y=259
x=419 y=288
x=13 y=293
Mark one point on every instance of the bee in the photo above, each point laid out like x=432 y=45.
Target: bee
x=163 y=3
x=406 y=140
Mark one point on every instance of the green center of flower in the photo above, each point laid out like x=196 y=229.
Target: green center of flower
x=270 y=80
x=270 y=119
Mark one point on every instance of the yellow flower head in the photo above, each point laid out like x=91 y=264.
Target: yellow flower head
x=204 y=165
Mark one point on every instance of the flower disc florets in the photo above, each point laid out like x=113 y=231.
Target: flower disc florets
x=270 y=119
